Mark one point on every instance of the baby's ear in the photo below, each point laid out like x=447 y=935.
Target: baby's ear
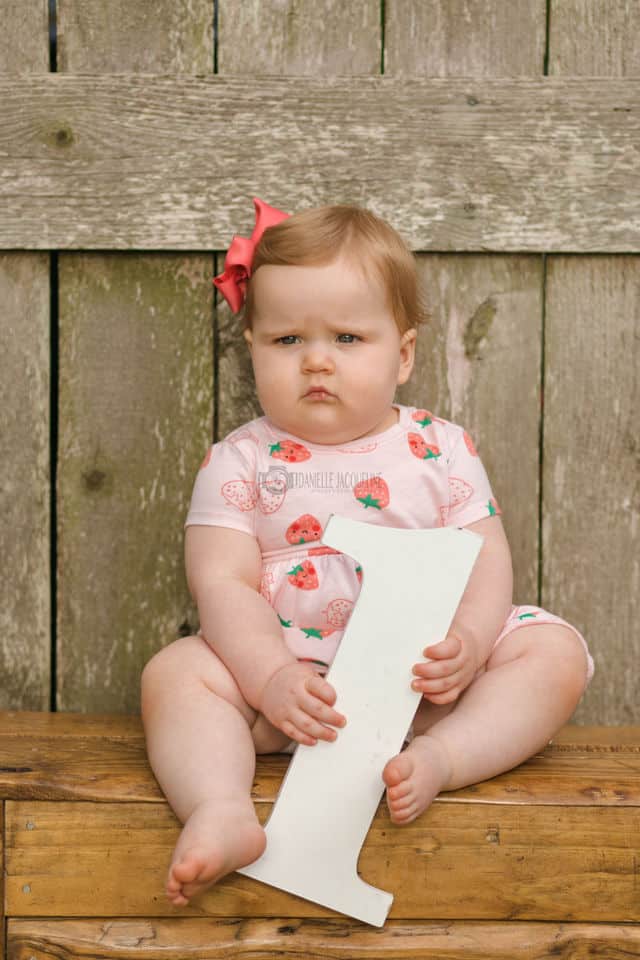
x=248 y=336
x=407 y=354
x=409 y=336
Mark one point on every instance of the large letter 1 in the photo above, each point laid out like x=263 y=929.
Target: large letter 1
x=412 y=584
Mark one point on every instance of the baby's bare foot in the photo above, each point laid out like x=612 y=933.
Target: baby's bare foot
x=414 y=777
x=216 y=839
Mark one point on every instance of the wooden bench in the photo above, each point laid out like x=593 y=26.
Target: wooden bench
x=542 y=861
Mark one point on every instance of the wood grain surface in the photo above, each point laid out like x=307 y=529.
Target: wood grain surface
x=460 y=39
x=502 y=140
x=24 y=39
x=478 y=164
x=591 y=483
x=294 y=38
x=474 y=861
x=135 y=395
x=103 y=758
x=148 y=36
x=25 y=497
x=480 y=356
x=3 y=925
x=593 y=39
x=135 y=422
x=591 y=457
x=478 y=361
x=25 y=421
x=336 y=939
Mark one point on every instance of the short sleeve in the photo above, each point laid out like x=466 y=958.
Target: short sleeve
x=224 y=492
x=470 y=495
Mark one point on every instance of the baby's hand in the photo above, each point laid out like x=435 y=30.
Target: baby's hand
x=299 y=702
x=453 y=665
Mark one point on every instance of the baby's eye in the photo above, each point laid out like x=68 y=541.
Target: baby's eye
x=286 y=340
x=353 y=337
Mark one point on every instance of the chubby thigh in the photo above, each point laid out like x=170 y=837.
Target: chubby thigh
x=190 y=660
x=540 y=634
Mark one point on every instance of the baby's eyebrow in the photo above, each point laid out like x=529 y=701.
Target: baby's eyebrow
x=278 y=327
x=333 y=331
x=282 y=331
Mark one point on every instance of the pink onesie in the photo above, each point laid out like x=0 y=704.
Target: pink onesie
x=422 y=472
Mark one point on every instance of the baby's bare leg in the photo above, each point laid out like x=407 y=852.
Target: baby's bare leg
x=200 y=746
x=532 y=684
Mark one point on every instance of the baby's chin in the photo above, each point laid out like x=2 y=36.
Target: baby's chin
x=329 y=422
x=313 y=434
x=315 y=426
x=319 y=434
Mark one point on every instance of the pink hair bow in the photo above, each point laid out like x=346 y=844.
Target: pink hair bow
x=232 y=283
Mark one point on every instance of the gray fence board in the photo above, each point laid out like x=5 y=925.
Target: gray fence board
x=591 y=480
x=25 y=423
x=147 y=36
x=481 y=355
x=299 y=37
x=136 y=394
x=24 y=37
x=25 y=536
x=135 y=422
x=455 y=38
x=594 y=39
x=476 y=164
x=478 y=364
x=591 y=487
x=293 y=37
x=463 y=145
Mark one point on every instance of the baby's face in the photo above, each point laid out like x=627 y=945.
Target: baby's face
x=329 y=329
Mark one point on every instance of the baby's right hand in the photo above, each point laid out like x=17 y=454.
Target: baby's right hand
x=299 y=702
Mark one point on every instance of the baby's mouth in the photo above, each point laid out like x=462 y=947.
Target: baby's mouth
x=319 y=393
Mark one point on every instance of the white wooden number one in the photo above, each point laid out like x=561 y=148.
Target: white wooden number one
x=412 y=583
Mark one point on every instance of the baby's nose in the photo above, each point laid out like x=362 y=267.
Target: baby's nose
x=317 y=356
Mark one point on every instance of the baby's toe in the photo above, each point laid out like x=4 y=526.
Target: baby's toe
x=397 y=770
x=401 y=803
x=203 y=881
x=399 y=792
x=187 y=869
x=174 y=891
x=177 y=899
x=405 y=815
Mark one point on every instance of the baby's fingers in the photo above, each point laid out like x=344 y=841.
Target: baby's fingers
x=305 y=729
x=436 y=685
x=322 y=712
x=295 y=733
x=321 y=688
x=444 y=650
x=321 y=698
x=434 y=669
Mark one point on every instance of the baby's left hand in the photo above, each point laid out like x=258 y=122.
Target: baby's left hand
x=453 y=663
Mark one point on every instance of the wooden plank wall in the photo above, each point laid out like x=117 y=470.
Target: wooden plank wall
x=136 y=379
x=25 y=425
x=482 y=352
x=536 y=353
x=591 y=440
x=471 y=164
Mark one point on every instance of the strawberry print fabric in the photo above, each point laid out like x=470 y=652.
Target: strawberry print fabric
x=422 y=472
x=528 y=615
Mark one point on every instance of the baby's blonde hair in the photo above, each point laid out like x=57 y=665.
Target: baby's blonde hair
x=316 y=237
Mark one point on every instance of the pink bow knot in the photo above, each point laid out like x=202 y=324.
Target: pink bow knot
x=232 y=283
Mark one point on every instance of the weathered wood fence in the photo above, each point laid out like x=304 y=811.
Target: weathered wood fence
x=501 y=138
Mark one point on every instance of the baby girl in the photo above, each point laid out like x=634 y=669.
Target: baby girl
x=331 y=310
